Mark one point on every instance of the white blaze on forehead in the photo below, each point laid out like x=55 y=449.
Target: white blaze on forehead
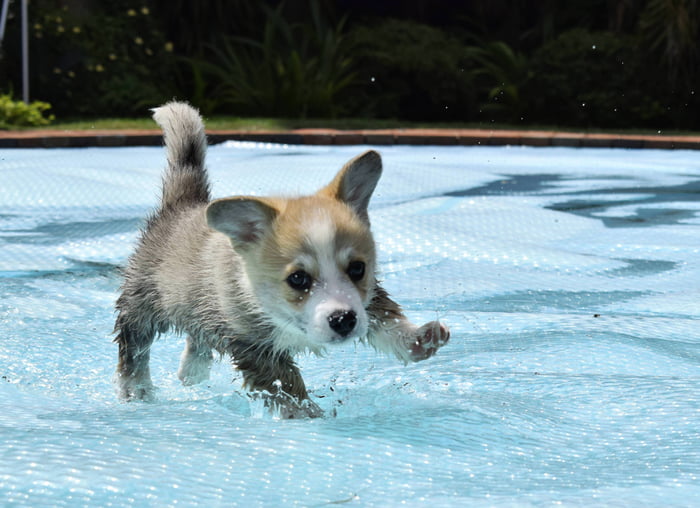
x=320 y=229
x=329 y=262
x=320 y=232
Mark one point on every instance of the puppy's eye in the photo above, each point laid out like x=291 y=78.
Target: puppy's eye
x=356 y=270
x=299 y=280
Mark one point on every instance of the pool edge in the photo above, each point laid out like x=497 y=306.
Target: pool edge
x=46 y=138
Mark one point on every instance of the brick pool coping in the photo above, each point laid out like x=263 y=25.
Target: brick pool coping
x=51 y=138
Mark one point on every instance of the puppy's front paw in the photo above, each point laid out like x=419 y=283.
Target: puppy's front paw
x=428 y=339
x=289 y=408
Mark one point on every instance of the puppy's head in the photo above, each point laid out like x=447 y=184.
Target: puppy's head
x=310 y=260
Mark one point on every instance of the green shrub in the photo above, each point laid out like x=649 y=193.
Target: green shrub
x=412 y=71
x=19 y=114
x=292 y=70
x=589 y=79
x=97 y=58
x=500 y=75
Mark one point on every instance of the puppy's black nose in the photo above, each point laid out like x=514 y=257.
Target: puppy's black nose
x=342 y=322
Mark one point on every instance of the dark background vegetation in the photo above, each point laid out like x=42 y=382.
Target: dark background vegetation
x=578 y=63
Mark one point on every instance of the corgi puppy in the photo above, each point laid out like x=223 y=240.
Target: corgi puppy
x=259 y=279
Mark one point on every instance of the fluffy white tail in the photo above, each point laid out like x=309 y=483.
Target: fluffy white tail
x=186 y=180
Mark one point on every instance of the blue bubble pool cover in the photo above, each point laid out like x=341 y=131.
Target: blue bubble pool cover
x=570 y=279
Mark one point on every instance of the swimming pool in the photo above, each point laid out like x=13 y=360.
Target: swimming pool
x=570 y=279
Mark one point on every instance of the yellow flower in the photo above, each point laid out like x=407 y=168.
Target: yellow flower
x=148 y=51
x=60 y=29
x=138 y=40
x=145 y=11
x=112 y=56
x=71 y=74
x=76 y=29
x=131 y=12
x=169 y=46
x=99 y=68
x=37 y=26
x=56 y=70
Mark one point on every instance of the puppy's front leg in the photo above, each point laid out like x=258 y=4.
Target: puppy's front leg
x=276 y=373
x=391 y=332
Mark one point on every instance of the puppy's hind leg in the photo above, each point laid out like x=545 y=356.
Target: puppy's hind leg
x=195 y=362
x=133 y=376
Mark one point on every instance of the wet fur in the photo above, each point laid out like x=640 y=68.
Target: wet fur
x=215 y=271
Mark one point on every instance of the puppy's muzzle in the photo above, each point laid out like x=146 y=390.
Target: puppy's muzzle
x=343 y=322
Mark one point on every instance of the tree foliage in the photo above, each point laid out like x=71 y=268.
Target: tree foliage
x=594 y=63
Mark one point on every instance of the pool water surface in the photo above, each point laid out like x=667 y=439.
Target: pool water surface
x=570 y=279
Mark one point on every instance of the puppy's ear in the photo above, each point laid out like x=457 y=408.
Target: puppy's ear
x=243 y=219
x=355 y=182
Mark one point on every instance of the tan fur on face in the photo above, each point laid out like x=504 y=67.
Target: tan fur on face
x=312 y=227
x=320 y=236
